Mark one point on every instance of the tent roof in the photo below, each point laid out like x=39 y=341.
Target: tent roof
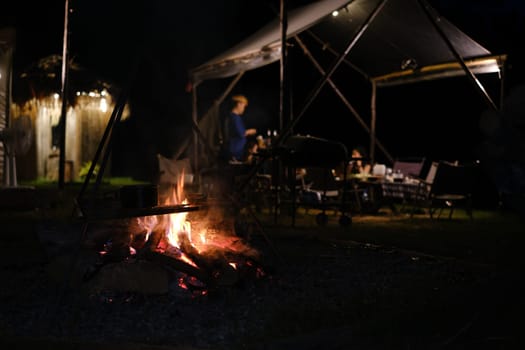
x=399 y=45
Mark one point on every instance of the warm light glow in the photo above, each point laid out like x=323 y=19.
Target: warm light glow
x=335 y=13
x=202 y=237
x=56 y=96
x=103 y=105
x=179 y=228
x=148 y=223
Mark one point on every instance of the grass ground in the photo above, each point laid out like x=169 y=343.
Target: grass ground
x=493 y=236
x=493 y=241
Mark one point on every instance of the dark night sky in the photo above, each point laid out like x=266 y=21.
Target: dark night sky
x=170 y=37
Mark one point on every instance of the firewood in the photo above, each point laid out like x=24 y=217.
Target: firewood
x=178 y=265
x=153 y=241
x=215 y=265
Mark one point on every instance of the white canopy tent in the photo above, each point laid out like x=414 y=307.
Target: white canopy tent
x=389 y=42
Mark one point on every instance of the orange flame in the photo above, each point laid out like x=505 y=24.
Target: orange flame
x=177 y=225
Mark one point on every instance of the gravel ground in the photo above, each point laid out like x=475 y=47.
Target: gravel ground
x=313 y=294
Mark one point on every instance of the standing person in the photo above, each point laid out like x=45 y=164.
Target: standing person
x=236 y=129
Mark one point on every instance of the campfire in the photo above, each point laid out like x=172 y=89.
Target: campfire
x=199 y=248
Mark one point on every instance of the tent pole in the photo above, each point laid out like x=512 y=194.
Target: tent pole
x=475 y=81
x=373 y=123
x=195 y=135
x=502 y=84
x=342 y=97
x=336 y=54
x=283 y=61
x=286 y=133
x=283 y=105
x=64 y=90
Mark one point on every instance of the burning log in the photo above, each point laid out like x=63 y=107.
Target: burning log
x=178 y=265
x=219 y=269
x=152 y=242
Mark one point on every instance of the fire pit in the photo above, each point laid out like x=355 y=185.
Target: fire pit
x=176 y=236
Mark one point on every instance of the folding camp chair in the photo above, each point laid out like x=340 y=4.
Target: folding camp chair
x=449 y=185
x=409 y=166
x=320 y=156
x=319 y=189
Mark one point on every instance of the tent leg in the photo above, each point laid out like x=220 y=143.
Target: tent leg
x=475 y=81
x=373 y=126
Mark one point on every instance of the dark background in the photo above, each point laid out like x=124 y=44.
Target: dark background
x=151 y=45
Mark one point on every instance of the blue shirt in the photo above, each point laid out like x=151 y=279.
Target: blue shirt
x=237 y=138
